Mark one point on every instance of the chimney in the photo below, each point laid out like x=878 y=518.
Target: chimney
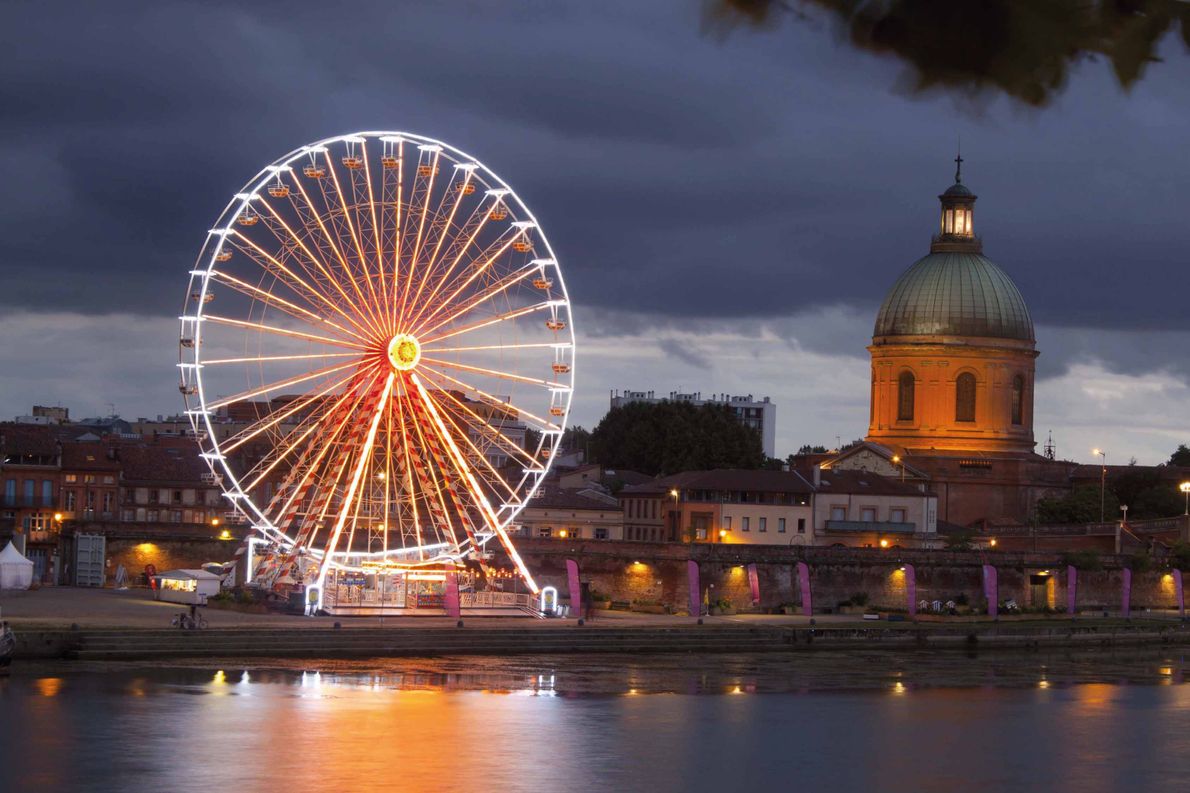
x=817 y=476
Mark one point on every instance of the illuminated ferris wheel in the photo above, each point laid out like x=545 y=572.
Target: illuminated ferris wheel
x=377 y=356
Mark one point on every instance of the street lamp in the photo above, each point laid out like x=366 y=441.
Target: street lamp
x=1124 y=520
x=1102 y=483
x=1185 y=488
x=897 y=459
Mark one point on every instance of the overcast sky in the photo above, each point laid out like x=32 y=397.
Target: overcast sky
x=729 y=212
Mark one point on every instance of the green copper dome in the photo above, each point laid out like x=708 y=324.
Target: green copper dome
x=955 y=293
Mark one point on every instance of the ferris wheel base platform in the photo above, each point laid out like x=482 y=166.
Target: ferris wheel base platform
x=391 y=611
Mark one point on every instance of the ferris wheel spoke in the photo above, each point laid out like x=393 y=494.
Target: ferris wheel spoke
x=485 y=427
x=491 y=291
x=422 y=199
x=272 y=300
x=314 y=221
x=493 y=373
x=432 y=477
x=268 y=262
x=557 y=345
x=297 y=406
x=476 y=272
x=355 y=238
x=377 y=235
x=519 y=312
x=461 y=430
x=543 y=424
x=486 y=510
x=279 y=384
x=349 y=497
x=299 y=478
x=296 y=334
x=471 y=229
x=438 y=231
x=442 y=447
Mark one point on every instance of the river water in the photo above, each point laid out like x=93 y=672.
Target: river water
x=1103 y=721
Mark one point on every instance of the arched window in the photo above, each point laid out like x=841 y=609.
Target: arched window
x=1018 y=400
x=964 y=397
x=905 y=397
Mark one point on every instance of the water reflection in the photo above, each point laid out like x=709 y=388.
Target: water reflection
x=864 y=721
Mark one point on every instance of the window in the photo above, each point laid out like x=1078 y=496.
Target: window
x=10 y=491
x=140 y=514
x=600 y=533
x=90 y=500
x=780 y=525
x=964 y=397
x=70 y=500
x=897 y=515
x=763 y=525
x=905 y=397
x=801 y=525
x=30 y=485
x=89 y=479
x=109 y=480
x=175 y=516
x=868 y=514
x=744 y=524
x=1018 y=400
x=127 y=515
x=838 y=513
x=47 y=492
x=153 y=516
x=107 y=502
x=544 y=531
x=142 y=495
x=72 y=478
x=727 y=523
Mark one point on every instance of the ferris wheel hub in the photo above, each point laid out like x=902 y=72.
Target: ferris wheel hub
x=404 y=352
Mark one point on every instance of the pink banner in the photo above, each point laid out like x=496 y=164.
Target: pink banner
x=1126 y=593
x=695 y=588
x=911 y=589
x=991 y=590
x=576 y=589
x=1179 y=593
x=754 y=582
x=451 y=596
x=1071 y=590
x=803 y=580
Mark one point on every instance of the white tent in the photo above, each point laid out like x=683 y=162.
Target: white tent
x=16 y=572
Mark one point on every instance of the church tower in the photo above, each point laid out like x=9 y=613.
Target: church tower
x=953 y=348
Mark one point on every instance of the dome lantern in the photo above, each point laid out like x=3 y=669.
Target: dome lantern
x=957 y=232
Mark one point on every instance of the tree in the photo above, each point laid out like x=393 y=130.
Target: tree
x=668 y=437
x=1181 y=455
x=1081 y=505
x=575 y=438
x=808 y=449
x=1023 y=49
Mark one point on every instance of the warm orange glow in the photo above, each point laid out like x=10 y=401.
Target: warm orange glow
x=225 y=534
x=58 y=516
x=404 y=352
x=562 y=533
x=884 y=543
x=992 y=542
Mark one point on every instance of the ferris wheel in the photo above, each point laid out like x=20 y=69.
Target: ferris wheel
x=377 y=356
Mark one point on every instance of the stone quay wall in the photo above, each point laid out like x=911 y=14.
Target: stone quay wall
x=656 y=573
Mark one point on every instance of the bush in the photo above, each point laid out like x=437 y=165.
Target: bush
x=1139 y=562
x=1179 y=555
x=1083 y=560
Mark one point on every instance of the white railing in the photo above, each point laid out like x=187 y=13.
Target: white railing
x=496 y=600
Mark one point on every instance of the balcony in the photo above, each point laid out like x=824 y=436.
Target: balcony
x=880 y=527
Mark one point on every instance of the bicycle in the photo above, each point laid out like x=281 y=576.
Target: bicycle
x=189 y=622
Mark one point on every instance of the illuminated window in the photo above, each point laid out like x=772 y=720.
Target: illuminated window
x=964 y=397
x=1018 y=400
x=905 y=387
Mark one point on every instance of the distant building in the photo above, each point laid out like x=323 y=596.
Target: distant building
x=572 y=514
x=762 y=507
x=759 y=414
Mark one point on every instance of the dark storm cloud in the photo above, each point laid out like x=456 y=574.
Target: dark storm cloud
x=678 y=175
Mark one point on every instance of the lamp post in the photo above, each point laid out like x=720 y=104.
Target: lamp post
x=1185 y=488
x=1124 y=520
x=897 y=460
x=1102 y=483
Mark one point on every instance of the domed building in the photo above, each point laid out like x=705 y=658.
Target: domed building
x=953 y=348
x=953 y=355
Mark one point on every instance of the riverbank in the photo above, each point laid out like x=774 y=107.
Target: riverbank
x=114 y=625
